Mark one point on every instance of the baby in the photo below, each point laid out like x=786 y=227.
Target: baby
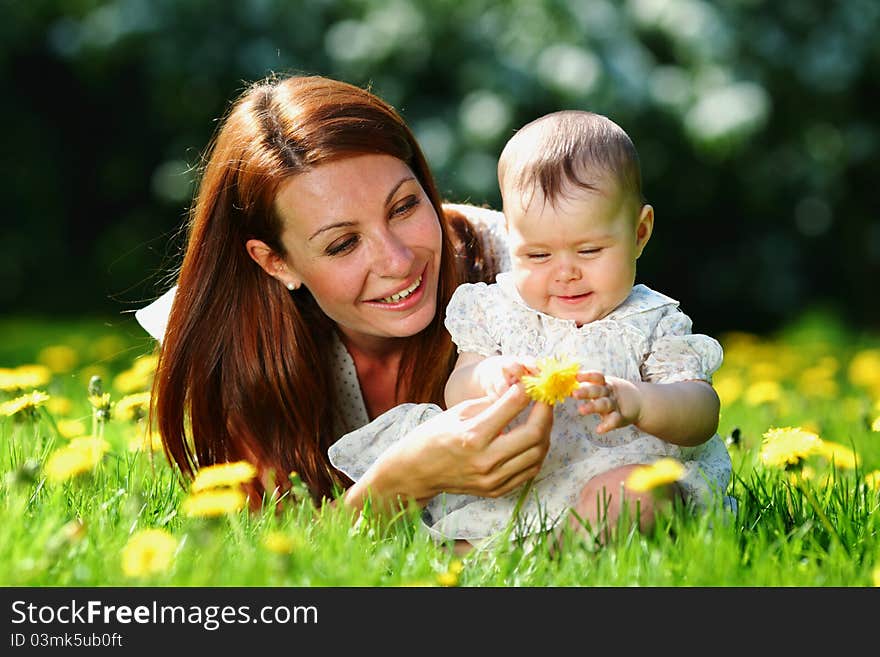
x=576 y=223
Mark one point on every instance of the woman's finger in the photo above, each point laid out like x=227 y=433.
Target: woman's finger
x=512 y=449
x=515 y=482
x=471 y=407
x=518 y=468
x=491 y=420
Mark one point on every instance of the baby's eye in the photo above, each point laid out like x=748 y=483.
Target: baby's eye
x=537 y=256
x=589 y=251
x=342 y=246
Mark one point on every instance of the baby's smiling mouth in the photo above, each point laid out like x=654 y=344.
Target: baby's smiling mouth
x=573 y=297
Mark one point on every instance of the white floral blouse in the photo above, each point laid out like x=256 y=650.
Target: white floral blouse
x=645 y=338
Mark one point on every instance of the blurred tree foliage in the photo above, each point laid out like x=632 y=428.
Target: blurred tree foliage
x=755 y=121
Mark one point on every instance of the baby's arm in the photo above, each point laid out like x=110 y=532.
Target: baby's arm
x=475 y=375
x=684 y=413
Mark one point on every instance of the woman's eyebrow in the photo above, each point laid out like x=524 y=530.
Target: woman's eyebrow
x=396 y=187
x=344 y=224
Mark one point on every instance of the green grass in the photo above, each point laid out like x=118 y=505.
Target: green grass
x=821 y=529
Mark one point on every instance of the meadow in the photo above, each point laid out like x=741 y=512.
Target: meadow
x=88 y=498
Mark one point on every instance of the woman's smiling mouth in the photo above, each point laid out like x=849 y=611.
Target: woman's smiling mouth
x=403 y=294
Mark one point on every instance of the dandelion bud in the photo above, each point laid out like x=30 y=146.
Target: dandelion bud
x=24 y=475
x=96 y=386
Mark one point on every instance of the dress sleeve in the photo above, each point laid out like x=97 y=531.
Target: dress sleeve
x=468 y=319
x=490 y=226
x=676 y=354
x=154 y=317
x=356 y=451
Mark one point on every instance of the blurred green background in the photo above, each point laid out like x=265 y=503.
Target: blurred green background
x=755 y=121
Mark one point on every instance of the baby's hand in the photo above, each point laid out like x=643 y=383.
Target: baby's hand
x=617 y=402
x=497 y=373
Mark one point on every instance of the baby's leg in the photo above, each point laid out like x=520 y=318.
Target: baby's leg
x=606 y=499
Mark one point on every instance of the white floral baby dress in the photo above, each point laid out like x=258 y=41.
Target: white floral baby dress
x=645 y=338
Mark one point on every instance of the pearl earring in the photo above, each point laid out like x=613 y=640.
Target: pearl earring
x=291 y=286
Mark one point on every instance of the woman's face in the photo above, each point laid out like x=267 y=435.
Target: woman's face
x=362 y=236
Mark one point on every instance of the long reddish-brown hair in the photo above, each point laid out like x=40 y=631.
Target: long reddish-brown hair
x=245 y=368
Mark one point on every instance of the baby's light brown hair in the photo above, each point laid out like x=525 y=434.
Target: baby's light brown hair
x=568 y=148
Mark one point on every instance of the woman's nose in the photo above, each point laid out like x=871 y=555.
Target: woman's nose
x=393 y=258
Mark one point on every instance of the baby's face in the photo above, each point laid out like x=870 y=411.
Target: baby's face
x=576 y=260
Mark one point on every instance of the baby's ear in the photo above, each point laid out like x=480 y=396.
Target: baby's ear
x=644 y=228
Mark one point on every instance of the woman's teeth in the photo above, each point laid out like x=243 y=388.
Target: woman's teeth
x=403 y=294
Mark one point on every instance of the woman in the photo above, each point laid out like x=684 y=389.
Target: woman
x=309 y=301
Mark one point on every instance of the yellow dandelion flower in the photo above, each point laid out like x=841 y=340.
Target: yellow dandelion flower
x=875 y=425
x=210 y=503
x=25 y=402
x=69 y=461
x=810 y=425
x=148 y=551
x=138 y=377
x=661 y=472
x=872 y=479
x=223 y=474
x=101 y=401
x=71 y=428
x=788 y=445
x=145 y=441
x=554 y=382
x=107 y=347
x=90 y=444
x=763 y=392
x=840 y=455
x=729 y=389
x=59 y=358
x=280 y=543
x=818 y=382
x=766 y=371
x=24 y=376
x=804 y=474
x=449 y=578
x=132 y=408
x=59 y=406
x=864 y=368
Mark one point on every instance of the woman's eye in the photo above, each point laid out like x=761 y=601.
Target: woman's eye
x=342 y=246
x=405 y=207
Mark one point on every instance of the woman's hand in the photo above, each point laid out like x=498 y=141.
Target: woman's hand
x=463 y=450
